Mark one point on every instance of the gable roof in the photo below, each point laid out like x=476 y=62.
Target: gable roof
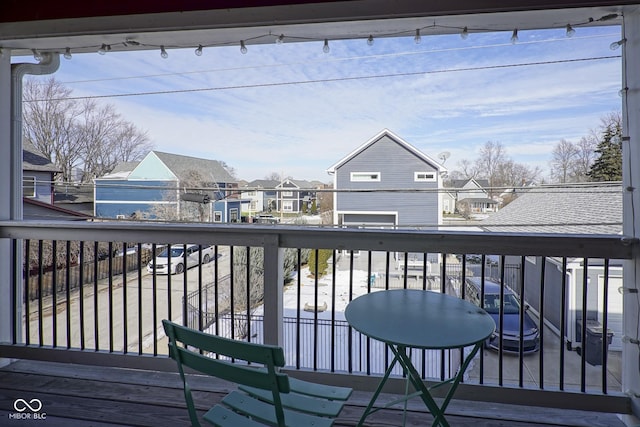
x=35 y=160
x=184 y=166
x=589 y=208
x=460 y=183
x=386 y=132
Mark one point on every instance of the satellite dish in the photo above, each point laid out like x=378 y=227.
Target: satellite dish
x=444 y=156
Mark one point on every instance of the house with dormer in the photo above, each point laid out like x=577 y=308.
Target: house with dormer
x=171 y=187
x=387 y=182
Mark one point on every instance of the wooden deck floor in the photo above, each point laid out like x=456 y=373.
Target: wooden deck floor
x=76 y=395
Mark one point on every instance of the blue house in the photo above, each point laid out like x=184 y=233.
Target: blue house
x=169 y=187
x=399 y=185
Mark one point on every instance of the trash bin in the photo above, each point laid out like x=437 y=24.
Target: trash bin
x=593 y=345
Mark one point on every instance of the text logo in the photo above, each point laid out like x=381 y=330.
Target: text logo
x=21 y=405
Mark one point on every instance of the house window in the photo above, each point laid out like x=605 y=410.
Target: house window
x=251 y=194
x=287 y=194
x=29 y=186
x=365 y=176
x=287 y=205
x=217 y=216
x=253 y=205
x=424 y=176
x=233 y=215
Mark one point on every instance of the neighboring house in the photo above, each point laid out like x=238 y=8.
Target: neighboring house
x=469 y=196
x=289 y=196
x=589 y=208
x=295 y=196
x=38 y=176
x=262 y=196
x=169 y=186
x=387 y=162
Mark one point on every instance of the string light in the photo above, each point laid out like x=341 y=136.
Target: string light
x=36 y=55
x=616 y=45
x=163 y=53
x=67 y=53
x=326 y=48
x=417 y=33
x=104 y=49
x=570 y=31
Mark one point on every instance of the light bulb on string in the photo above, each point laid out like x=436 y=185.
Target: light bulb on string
x=280 y=39
x=464 y=34
x=514 y=36
x=616 y=45
x=243 y=48
x=103 y=49
x=418 y=37
x=198 y=50
x=570 y=31
x=370 y=40
x=163 y=53
x=67 y=53
x=326 y=48
x=36 y=55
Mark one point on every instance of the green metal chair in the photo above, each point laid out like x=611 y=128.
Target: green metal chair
x=265 y=396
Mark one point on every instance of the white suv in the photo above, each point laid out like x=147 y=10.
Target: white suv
x=178 y=260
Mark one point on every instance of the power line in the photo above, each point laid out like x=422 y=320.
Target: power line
x=333 y=80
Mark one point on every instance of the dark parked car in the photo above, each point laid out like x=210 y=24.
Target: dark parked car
x=511 y=308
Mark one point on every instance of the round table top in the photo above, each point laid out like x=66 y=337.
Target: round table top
x=419 y=319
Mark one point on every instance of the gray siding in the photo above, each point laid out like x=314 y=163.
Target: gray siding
x=396 y=166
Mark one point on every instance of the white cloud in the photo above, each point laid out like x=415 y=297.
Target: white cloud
x=260 y=126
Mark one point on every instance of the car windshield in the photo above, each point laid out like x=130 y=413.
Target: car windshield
x=492 y=304
x=175 y=252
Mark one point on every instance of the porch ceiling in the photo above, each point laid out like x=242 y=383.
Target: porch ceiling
x=32 y=24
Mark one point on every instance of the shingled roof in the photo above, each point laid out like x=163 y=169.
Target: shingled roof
x=184 y=166
x=590 y=208
x=34 y=160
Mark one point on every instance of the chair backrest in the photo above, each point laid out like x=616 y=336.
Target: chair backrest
x=249 y=364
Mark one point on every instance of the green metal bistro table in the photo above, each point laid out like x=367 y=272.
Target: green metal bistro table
x=409 y=318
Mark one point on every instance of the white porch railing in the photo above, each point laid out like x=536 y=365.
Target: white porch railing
x=115 y=321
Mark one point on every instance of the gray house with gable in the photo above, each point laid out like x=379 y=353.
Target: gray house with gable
x=382 y=168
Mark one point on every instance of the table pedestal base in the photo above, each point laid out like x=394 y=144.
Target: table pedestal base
x=424 y=392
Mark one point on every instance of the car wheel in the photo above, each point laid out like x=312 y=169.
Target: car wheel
x=206 y=259
x=179 y=268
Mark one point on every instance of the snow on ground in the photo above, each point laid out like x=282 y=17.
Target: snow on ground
x=340 y=348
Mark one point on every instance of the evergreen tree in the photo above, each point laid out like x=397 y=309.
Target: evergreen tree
x=608 y=165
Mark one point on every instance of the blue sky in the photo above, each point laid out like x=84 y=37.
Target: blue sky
x=444 y=94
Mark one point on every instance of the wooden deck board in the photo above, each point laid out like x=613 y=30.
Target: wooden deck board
x=75 y=395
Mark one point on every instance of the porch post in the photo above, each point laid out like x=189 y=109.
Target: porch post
x=273 y=291
x=631 y=216
x=6 y=286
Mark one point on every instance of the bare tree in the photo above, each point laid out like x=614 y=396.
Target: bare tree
x=49 y=122
x=78 y=135
x=468 y=170
x=585 y=156
x=563 y=161
x=492 y=156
